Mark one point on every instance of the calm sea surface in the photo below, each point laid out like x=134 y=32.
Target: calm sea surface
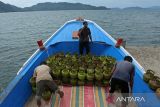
x=20 y=31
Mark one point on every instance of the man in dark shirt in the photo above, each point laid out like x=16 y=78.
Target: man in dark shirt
x=84 y=36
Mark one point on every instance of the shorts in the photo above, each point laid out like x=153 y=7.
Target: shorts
x=43 y=85
x=120 y=84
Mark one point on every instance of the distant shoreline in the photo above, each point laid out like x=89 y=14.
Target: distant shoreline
x=50 y=11
x=68 y=10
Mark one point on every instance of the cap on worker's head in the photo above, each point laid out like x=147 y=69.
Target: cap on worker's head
x=85 y=22
x=128 y=58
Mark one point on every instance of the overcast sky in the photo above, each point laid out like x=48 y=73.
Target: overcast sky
x=107 y=3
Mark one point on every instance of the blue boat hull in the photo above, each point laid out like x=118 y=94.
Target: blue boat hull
x=19 y=90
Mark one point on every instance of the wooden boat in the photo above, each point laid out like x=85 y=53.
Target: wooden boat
x=19 y=91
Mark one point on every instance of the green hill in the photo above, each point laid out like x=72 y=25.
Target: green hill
x=8 y=8
x=48 y=6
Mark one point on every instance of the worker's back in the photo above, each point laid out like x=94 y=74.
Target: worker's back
x=42 y=73
x=123 y=70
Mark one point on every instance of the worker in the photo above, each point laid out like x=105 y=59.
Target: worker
x=84 y=36
x=44 y=79
x=122 y=75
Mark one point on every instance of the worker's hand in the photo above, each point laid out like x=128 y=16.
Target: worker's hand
x=61 y=94
x=82 y=29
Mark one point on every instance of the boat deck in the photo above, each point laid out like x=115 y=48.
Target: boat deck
x=80 y=96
